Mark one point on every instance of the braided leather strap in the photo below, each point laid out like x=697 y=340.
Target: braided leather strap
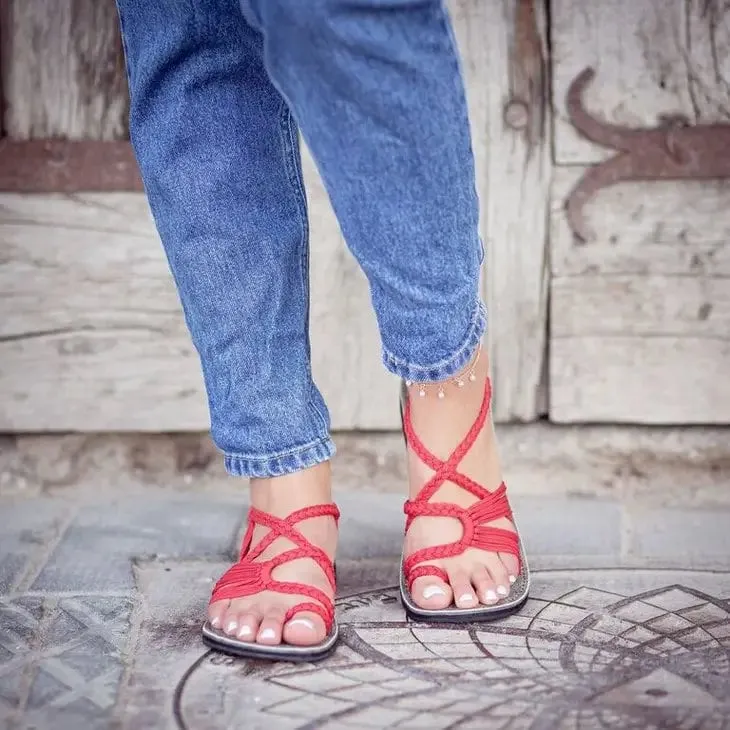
x=248 y=577
x=489 y=507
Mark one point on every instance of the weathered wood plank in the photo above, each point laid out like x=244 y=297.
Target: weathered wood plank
x=504 y=50
x=63 y=70
x=652 y=58
x=640 y=306
x=92 y=338
x=672 y=228
x=652 y=380
x=640 y=317
x=64 y=166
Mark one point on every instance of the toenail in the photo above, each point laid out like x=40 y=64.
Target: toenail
x=215 y=622
x=303 y=622
x=268 y=634
x=512 y=578
x=491 y=595
x=244 y=631
x=466 y=597
x=231 y=627
x=502 y=590
x=431 y=591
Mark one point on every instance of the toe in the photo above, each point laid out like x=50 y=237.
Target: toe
x=431 y=593
x=464 y=595
x=229 y=620
x=248 y=624
x=499 y=574
x=270 y=629
x=216 y=612
x=511 y=565
x=484 y=585
x=305 y=629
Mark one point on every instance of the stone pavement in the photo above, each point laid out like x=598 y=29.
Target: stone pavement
x=102 y=594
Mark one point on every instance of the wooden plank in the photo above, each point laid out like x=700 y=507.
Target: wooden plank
x=672 y=228
x=652 y=58
x=640 y=306
x=63 y=70
x=640 y=317
x=504 y=52
x=651 y=380
x=92 y=338
x=64 y=166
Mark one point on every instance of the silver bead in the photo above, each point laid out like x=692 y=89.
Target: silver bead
x=441 y=394
x=422 y=392
x=409 y=383
x=472 y=377
x=460 y=383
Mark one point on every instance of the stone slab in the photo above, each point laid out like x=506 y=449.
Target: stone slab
x=26 y=528
x=372 y=526
x=62 y=660
x=96 y=550
x=592 y=648
x=698 y=537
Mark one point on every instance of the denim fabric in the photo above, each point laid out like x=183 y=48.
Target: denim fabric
x=219 y=93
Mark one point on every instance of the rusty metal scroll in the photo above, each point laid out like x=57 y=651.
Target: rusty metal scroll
x=673 y=150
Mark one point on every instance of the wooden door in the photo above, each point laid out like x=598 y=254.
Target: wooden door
x=91 y=335
x=640 y=288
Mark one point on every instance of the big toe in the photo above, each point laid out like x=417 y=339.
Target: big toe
x=305 y=629
x=431 y=593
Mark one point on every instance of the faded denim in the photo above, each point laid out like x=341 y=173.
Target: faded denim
x=219 y=94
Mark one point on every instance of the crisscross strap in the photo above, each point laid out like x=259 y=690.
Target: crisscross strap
x=489 y=507
x=248 y=577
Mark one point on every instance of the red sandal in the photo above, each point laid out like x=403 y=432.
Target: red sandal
x=248 y=577
x=491 y=506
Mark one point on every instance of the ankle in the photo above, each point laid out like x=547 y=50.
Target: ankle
x=283 y=495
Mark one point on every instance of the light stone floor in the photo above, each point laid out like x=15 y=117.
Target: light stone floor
x=102 y=593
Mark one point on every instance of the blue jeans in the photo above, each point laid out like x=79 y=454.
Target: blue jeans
x=219 y=93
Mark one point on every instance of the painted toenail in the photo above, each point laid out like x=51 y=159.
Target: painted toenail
x=491 y=595
x=431 y=591
x=512 y=578
x=215 y=622
x=244 y=631
x=267 y=634
x=466 y=597
x=502 y=590
x=231 y=628
x=302 y=622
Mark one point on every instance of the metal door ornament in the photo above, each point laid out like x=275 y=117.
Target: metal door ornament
x=673 y=150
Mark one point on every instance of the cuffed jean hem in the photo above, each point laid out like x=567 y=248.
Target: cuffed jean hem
x=449 y=366
x=277 y=465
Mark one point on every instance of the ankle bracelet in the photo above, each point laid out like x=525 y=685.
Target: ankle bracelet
x=459 y=380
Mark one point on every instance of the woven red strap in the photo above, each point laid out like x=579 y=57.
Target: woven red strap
x=248 y=577
x=491 y=505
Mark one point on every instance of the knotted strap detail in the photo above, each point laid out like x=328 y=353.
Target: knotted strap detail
x=491 y=505
x=248 y=577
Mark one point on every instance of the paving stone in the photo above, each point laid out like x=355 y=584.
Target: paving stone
x=72 y=649
x=26 y=526
x=388 y=672
x=96 y=551
x=575 y=527
x=372 y=526
x=700 y=538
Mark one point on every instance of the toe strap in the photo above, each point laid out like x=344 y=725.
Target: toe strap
x=421 y=571
x=325 y=611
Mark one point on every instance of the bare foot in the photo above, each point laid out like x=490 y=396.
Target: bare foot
x=260 y=618
x=475 y=576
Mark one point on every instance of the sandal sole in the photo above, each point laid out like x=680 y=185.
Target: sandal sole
x=214 y=639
